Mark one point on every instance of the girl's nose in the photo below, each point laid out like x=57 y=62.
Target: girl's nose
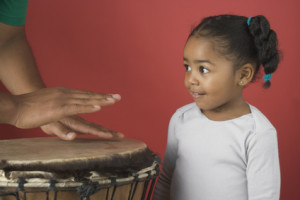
x=192 y=79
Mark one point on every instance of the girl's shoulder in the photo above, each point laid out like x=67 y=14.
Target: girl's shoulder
x=261 y=122
x=187 y=112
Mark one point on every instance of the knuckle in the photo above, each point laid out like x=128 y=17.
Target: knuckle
x=61 y=90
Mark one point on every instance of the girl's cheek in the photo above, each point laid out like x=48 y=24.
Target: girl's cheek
x=185 y=81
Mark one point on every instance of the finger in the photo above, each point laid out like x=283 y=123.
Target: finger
x=101 y=102
x=117 y=97
x=81 y=94
x=60 y=130
x=80 y=125
x=73 y=109
x=88 y=94
x=85 y=127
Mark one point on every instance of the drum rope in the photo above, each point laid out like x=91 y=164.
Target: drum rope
x=154 y=178
x=87 y=189
x=114 y=184
x=146 y=184
x=51 y=188
x=135 y=182
x=21 y=182
x=107 y=193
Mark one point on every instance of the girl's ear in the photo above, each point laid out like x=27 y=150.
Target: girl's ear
x=245 y=74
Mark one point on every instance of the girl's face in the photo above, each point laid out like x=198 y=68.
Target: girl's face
x=210 y=78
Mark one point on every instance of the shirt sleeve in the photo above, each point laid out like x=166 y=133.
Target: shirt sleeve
x=263 y=171
x=162 y=190
x=13 y=12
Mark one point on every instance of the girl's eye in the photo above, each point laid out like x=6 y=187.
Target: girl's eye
x=203 y=70
x=187 y=68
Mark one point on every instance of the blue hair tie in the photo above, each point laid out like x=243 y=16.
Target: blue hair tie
x=248 y=21
x=267 y=77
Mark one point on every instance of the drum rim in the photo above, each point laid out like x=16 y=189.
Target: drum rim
x=141 y=175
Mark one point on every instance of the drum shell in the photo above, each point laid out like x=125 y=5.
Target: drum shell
x=121 y=192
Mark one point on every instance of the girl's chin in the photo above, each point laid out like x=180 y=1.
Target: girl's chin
x=204 y=107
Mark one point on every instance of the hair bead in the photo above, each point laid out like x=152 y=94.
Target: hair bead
x=267 y=77
x=249 y=20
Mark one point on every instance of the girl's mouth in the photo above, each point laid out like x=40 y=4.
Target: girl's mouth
x=197 y=95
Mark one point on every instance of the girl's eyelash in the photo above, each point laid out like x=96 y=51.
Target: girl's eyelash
x=203 y=70
x=187 y=67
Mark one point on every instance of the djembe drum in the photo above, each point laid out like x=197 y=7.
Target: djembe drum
x=50 y=168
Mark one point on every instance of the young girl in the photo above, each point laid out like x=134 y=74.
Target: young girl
x=220 y=147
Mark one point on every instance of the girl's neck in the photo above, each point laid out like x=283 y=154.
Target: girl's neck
x=228 y=111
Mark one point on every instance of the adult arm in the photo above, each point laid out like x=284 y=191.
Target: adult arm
x=33 y=105
x=18 y=70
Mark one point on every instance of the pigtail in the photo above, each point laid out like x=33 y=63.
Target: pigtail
x=265 y=40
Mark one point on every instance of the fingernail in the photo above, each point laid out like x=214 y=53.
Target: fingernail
x=70 y=135
x=110 y=99
x=120 y=135
x=97 y=107
x=116 y=96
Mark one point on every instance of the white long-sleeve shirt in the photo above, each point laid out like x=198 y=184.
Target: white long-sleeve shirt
x=219 y=160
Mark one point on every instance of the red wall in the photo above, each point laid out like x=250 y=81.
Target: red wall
x=134 y=48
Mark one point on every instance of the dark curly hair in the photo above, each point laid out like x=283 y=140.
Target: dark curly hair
x=241 y=43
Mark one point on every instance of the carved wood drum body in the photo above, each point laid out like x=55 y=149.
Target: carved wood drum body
x=50 y=168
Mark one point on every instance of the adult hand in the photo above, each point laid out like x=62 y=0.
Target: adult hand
x=68 y=128
x=53 y=104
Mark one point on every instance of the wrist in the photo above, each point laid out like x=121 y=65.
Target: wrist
x=8 y=109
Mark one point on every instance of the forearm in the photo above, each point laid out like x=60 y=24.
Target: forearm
x=18 y=70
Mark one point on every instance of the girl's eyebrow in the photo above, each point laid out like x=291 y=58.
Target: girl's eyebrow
x=199 y=61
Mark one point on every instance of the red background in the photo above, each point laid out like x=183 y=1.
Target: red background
x=134 y=48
